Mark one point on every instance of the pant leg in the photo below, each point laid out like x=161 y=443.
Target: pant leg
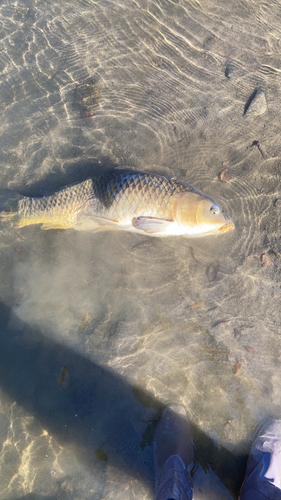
x=257 y=487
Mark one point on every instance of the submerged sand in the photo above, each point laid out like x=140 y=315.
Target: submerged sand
x=137 y=322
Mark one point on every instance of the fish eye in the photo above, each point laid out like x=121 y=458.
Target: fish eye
x=214 y=210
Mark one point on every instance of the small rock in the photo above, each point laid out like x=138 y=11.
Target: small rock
x=212 y=271
x=229 y=68
x=277 y=203
x=256 y=104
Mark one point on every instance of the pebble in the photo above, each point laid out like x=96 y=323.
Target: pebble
x=212 y=271
x=256 y=105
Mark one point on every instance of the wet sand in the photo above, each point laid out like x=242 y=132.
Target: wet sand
x=137 y=322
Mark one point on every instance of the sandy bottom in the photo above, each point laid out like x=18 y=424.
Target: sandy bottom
x=100 y=331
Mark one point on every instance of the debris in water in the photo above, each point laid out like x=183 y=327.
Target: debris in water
x=238 y=366
x=265 y=260
x=229 y=68
x=101 y=455
x=193 y=254
x=63 y=374
x=256 y=143
x=238 y=331
x=277 y=203
x=224 y=175
x=86 y=97
x=20 y=250
x=85 y=321
x=194 y=306
x=219 y=323
x=249 y=348
x=63 y=377
x=256 y=104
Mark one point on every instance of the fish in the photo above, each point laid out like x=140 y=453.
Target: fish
x=144 y=203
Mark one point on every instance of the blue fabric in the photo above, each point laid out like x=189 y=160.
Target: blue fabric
x=174 y=481
x=257 y=487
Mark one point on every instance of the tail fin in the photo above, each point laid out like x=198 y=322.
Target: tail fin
x=9 y=201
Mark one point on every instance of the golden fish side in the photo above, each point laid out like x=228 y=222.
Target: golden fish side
x=59 y=210
x=133 y=201
x=136 y=194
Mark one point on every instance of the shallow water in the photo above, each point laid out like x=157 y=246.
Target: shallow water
x=159 y=86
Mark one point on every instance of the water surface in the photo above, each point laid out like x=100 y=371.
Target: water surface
x=159 y=86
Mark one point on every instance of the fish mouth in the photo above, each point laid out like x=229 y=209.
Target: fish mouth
x=227 y=227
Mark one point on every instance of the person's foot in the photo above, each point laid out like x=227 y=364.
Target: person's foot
x=263 y=474
x=173 y=453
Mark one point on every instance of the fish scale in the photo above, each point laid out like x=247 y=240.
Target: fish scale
x=140 y=194
x=61 y=207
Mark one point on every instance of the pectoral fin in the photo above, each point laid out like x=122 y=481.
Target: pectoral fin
x=150 y=225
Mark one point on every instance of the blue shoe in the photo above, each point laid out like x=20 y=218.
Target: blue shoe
x=173 y=453
x=263 y=474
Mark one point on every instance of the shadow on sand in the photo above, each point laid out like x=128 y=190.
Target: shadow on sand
x=104 y=402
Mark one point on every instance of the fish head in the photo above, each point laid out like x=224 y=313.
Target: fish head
x=201 y=215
